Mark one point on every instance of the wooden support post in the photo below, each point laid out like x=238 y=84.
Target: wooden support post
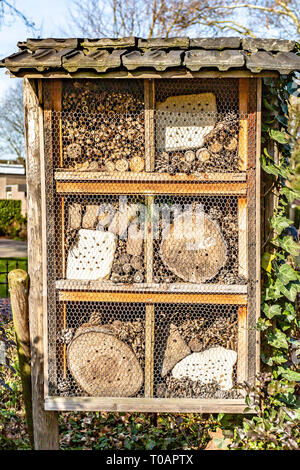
x=18 y=286
x=45 y=423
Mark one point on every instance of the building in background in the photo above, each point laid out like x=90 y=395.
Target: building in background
x=13 y=184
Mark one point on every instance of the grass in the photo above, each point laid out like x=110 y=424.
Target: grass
x=11 y=265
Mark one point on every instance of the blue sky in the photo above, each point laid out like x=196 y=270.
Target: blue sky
x=50 y=16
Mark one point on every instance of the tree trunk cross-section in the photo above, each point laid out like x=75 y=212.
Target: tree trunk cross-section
x=103 y=365
x=194 y=248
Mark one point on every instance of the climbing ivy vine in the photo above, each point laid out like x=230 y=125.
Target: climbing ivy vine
x=275 y=398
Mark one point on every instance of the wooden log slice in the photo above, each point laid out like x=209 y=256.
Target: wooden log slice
x=194 y=248
x=102 y=365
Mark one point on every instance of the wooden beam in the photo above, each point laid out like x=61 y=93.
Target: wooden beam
x=150 y=188
x=151 y=298
x=144 y=405
x=71 y=175
x=45 y=423
x=243 y=131
x=146 y=74
x=82 y=285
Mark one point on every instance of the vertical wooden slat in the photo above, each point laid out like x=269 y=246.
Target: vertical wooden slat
x=149 y=326
x=253 y=228
x=65 y=346
x=242 y=346
x=149 y=97
x=149 y=350
x=242 y=227
x=45 y=423
x=243 y=132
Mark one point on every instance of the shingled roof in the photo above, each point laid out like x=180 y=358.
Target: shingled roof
x=159 y=54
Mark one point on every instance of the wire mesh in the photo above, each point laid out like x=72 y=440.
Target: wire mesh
x=98 y=349
x=101 y=239
x=185 y=335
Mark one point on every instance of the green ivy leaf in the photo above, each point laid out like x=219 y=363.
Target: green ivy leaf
x=280 y=223
x=266 y=359
x=286 y=274
x=266 y=261
x=279 y=358
x=288 y=244
x=290 y=193
x=289 y=374
x=272 y=310
x=278 y=136
x=290 y=290
x=263 y=324
x=277 y=339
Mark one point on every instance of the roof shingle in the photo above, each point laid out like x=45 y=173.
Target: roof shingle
x=160 y=54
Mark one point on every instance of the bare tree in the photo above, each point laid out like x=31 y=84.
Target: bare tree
x=100 y=18
x=12 y=124
x=8 y=12
x=268 y=17
x=115 y=18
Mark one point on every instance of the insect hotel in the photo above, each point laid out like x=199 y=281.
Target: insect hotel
x=143 y=167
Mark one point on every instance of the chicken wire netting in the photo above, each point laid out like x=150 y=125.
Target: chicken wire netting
x=102 y=125
x=197 y=126
x=144 y=241
x=196 y=351
x=196 y=240
x=129 y=243
x=97 y=349
x=197 y=122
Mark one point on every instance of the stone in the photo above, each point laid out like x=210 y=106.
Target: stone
x=212 y=365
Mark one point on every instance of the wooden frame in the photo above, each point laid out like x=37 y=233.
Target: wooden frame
x=237 y=184
x=142 y=405
x=84 y=187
